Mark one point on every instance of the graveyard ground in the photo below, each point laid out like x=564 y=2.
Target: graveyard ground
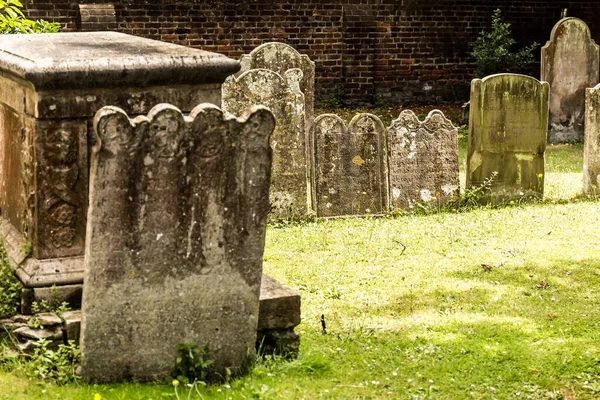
x=479 y=303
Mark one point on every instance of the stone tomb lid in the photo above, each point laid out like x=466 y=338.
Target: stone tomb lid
x=107 y=59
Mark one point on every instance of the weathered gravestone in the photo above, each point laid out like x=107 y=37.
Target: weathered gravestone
x=52 y=85
x=175 y=238
x=423 y=160
x=350 y=165
x=570 y=64
x=282 y=95
x=507 y=136
x=591 y=142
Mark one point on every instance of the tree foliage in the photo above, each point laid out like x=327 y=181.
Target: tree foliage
x=492 y=50
x=12 y=20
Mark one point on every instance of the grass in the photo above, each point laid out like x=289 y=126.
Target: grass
x=411 y=313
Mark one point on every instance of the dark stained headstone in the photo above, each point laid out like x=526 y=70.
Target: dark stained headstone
x=570 y=64
x=591 y=142
x=350 y=165
x=507 y=136
x=282 y=95
x=423 y=160
x=175 y=238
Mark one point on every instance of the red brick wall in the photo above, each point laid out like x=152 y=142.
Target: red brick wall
x=396 y=51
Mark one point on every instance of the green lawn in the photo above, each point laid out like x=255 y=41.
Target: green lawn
x=411 y=313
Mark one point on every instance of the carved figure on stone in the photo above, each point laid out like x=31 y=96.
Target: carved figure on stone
x=27 y=183
x=350 y=165
x=507 y=136
x=570 y=64
x=282 y=95
x=423 y=160
x=175 y=238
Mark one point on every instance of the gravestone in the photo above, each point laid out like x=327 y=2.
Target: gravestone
x=507 y=136
x=423 y=160
x=350 y=165
x=52 y=85
x=591 y=142
x=570 y=64
x=282 y=95
x=175 y=238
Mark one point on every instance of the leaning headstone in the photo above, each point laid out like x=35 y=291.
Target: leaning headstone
x=507 y=136
x=350 y=165
x=423 y=160
x=570 y=64
x=282 y=95
x=591 y=142
x=175 y=238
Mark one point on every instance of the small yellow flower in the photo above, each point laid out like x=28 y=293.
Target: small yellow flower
x=97 y=396
x=540 y=175
x=174 y=383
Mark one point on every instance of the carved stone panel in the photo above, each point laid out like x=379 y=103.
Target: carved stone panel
x=423 y=160
x=570 y=64
x=507 y=135
x=62 y=180
x=175 y=238
x=282 y=95
x=350 y=165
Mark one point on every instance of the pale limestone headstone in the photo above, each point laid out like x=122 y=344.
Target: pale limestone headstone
x=423 y=160
x=507 y=135
x=591 y=142
x=570 y=64
x=282 y=95
x=350 y=165
x=175 y=238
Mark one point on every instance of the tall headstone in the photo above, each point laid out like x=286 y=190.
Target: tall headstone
x=175 y=238
x=423 y=160
x=570 y=64
x=350 y=165
x=282 y=95
x=507 y=135
x=591 y=142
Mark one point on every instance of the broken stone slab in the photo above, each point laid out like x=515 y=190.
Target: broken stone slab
x=570 y=63
x=53 y=295
x=46 y=333
x=48 y=319
x=279 y=305
x=72 y=325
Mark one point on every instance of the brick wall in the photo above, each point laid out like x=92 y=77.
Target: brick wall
x=395 y=51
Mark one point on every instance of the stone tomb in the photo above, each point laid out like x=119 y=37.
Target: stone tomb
x=591 y=142
x=423 y=160
x=175 y=239
x=282 y=95
x=52 y=85
x=570 y=64
x=507 y=136
x=350 y=165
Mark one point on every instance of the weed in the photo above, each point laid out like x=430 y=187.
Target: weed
x=10 y=288
x=191 y=364
x=55 y=365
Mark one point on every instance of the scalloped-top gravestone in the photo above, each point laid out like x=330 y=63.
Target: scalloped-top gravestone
x=570 y=64
x=507 y=136
x=175 y=238
x=350 y=165
x=423 y=160
x=282 y=95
